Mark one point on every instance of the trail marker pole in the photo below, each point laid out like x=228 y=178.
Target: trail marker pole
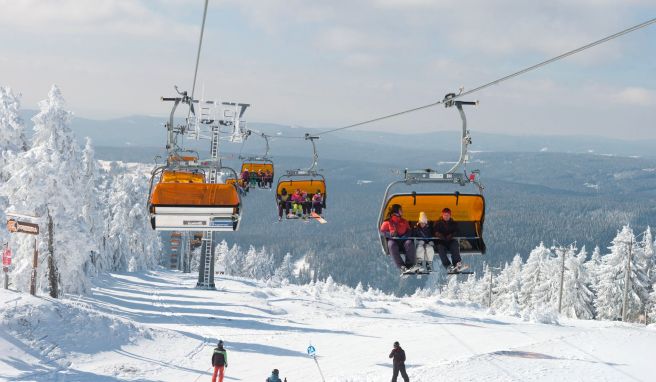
x=312 y=352
x=35 y=264
x=627 y=280
x=6 y=262
x=562 y=280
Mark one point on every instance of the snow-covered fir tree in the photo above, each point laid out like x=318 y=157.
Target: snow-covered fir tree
x=129 y=234
x=536 y=276
x=508 y=288
x=577 y=299
x=92 y=212
x=612 y=278
x=452 y=289
x=234 y=261
x=285 y=272
x=481 y=293
x=592 y=267
x=12 y=142
x=48 y=180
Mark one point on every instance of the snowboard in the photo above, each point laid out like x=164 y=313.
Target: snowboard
x=318 y=218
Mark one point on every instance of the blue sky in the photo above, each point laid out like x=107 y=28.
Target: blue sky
x=329 y=63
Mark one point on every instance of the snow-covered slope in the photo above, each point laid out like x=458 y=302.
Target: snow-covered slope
x=155 y=327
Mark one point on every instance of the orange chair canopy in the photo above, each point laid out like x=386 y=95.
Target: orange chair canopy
x=308 y=185
x=255 y=167
x=195 y=194
x=171 y=176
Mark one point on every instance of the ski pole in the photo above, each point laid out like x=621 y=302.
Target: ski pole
x=201 y=374
x=318 y=367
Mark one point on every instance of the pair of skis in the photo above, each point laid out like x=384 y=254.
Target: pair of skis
x=423 y=271
x=313 y=215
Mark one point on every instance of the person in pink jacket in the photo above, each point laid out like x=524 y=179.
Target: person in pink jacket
x=297 y=203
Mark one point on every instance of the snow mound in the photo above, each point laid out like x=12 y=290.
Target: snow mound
x=259 y=294
x=542 y=315
x=39 y=323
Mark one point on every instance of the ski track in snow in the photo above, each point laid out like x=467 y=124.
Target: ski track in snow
x=157 y=327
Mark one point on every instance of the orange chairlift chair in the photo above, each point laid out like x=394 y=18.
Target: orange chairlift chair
x=255 y=164
x=182 y=201
x=467 y=209
x=307 y=180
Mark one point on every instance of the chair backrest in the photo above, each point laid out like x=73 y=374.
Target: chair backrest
x=254 y=167
x=310 y=186
x=172 y=176
x=195 y=194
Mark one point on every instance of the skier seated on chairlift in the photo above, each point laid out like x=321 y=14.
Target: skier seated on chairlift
x=245 y=179
x=423 y=231
x=297 y=204
x=307 y=204
x=396 y=230
x=317 y=202
x=283 y=203
x=445 y=231
x=260 y=178
x=268 y=179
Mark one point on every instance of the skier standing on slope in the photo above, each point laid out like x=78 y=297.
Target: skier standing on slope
x=274 y=377
x=398 y=361
x=219 y=361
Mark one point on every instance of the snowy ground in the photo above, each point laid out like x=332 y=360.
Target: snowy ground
x=155 y=327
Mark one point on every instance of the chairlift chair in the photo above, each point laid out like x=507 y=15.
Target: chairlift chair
x=182 y=200
x=255 y=164
x=467 y=209
x=307 y=180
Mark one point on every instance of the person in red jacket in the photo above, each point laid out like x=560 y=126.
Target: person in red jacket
x=396 y=229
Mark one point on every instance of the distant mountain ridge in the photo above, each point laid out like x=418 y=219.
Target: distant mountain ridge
x=147 y=131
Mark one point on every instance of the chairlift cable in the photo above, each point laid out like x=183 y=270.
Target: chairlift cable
x=502 y=79
x=200 y=44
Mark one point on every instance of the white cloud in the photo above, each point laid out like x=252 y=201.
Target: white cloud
x=342 y=38
x=361 y=60
x=637 y=96
x=97 y=17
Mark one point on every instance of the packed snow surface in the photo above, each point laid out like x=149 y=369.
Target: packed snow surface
x=156 y=327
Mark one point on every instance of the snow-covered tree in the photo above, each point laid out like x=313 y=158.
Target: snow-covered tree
x=612 y=278
x=12 y=142
x=577 y=297
x=12 y=129
x=452 y=290
x=535 y=278
x=48 y=180
x=129 y=234
x=220 y=254
x=468 y=288
x=285 y=272
x=481 y=293
x=234 y=261
x=592 y=267
x=508 y=288
x=92 y=212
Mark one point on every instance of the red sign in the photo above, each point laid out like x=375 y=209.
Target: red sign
x=6 y=257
